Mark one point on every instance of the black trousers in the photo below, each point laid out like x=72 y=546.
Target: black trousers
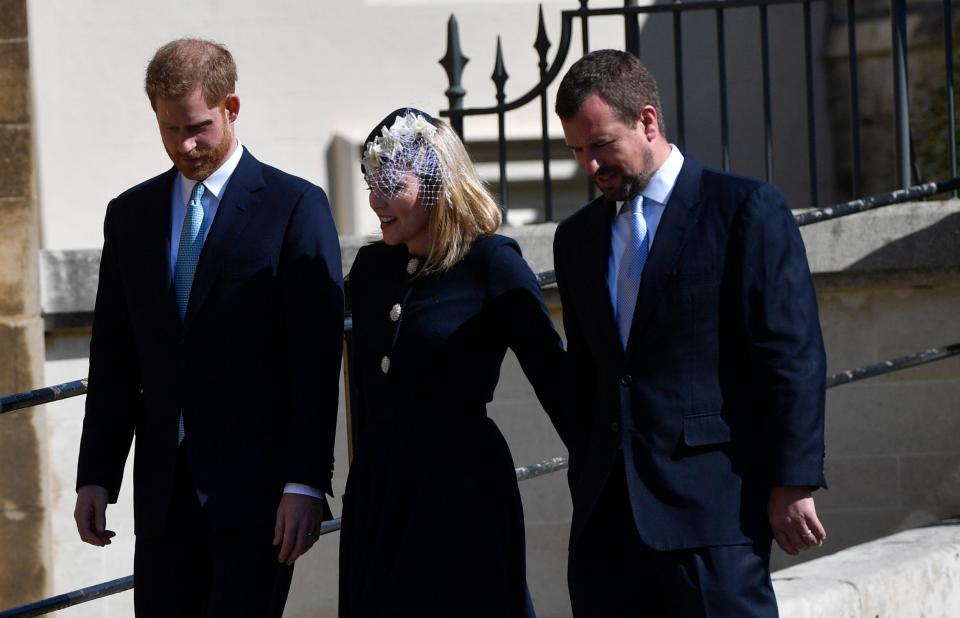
x=614 y=574
x=197 y=570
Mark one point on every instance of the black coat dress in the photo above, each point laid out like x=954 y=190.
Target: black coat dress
x=432 y=519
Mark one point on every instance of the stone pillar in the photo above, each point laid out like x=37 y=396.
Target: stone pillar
x=22 y=516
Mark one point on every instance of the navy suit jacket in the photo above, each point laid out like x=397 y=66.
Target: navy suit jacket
x=254 y=367
x=719 y=394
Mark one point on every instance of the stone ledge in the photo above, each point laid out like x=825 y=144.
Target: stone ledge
x=910 y=244
x=68 y=281
x=912 y=573
x=913 y=236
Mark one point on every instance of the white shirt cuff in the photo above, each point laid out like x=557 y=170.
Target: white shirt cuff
x=304 y=490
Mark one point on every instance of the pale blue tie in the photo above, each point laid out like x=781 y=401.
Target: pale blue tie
x=191 y=243
x=631 y=267
x=188 y=254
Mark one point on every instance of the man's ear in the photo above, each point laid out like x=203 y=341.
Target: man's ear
x=650 y=121
x=232 y=105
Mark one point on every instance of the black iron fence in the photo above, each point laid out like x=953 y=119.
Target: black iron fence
x=681 y=13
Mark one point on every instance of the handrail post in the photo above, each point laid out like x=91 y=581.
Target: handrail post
x=499 y=78
x=854 y=98
x=542 y=45
x=951 y=103
x=901 y=102
x=631 y=30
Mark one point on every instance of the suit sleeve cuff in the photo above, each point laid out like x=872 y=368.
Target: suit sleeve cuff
x=304 y=490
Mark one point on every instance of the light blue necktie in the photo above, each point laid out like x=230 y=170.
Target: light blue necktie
x=191 y=243
x=631 y=268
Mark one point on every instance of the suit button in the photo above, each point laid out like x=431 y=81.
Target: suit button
x=614 y=426
x=626 y=379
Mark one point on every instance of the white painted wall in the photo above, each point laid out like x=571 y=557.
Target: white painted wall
x=73 y=564
x=307 y=70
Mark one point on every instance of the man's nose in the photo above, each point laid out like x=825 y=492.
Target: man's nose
x=590 y=165
x=187 y=144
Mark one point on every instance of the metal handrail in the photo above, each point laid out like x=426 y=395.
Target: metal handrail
x=523 y=473
x=28 y=399
x=60 y=391
x=61 y=601
x=894 y=364
x=105 y=589
x=899 y=196
x=52 y=604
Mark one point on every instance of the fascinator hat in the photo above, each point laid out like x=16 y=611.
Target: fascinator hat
x=401 y=145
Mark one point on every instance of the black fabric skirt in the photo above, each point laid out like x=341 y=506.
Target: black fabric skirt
x=433 y=525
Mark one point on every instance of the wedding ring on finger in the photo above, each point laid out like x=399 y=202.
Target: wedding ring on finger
x=808 y=535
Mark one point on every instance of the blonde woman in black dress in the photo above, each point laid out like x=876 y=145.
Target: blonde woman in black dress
x=432 y=519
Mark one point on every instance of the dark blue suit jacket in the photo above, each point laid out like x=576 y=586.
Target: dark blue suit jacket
x=720 y=393
x=254 y=367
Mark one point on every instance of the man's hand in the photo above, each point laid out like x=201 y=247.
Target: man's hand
x=298 y=525
x=91 y=515
x=793 y=518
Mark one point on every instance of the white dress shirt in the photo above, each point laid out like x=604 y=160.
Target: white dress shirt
x=655 y=197
x=216 y=184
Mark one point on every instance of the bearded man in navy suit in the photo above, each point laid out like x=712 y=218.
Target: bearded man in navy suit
x=217 y=339
x=697 y=362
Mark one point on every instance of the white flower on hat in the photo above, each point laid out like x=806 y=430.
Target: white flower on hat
x=389 y=144
x=371 y=156
x=422 y=127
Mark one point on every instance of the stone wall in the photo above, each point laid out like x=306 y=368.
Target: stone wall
x=888 y=284
x=23 y=560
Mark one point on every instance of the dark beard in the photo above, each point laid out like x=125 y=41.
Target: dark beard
x=633 y=184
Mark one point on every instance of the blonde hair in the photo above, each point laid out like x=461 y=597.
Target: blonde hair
x=465 y=210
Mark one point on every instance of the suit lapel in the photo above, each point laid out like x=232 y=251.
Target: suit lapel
x=232 y=215
x=678 y=216
x=156 y=237
x=593 y=277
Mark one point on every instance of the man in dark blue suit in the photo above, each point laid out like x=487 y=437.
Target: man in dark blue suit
x=697 y=363
x=216 y=340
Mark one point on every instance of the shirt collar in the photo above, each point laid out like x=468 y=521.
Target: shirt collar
x=663 y=180
x=216 y=182
x=661 y=185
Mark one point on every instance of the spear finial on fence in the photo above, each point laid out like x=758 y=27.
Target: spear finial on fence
x=500 y=75
x=542 y=44
x=453 y=62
